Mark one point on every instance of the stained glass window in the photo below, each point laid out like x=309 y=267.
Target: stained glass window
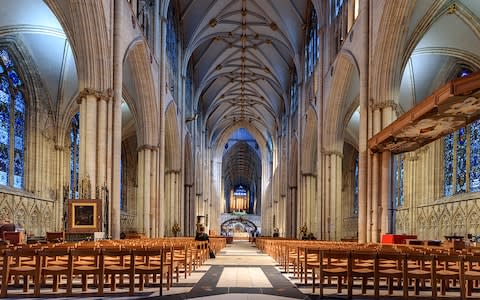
x=398 y=177
x=475 y=156
x=461 y=185
x=294 y=93
x=462 y=160
x=172 y=47
x=448 y=159
x=12 y=124
x=311 y=47
x=355 y=191
x=74 y=155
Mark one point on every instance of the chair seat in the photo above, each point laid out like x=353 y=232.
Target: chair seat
x=419 y=272
x=446 y=273
x=85 y=268
x=22 y=269
x=391 y=272
x=363 y=271
x=55 y=268
x=335 y=270
x=116 y=268
x=472 y=273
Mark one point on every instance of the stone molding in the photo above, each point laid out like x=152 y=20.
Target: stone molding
x=100 y=95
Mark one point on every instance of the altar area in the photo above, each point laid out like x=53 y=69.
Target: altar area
x=240 y=236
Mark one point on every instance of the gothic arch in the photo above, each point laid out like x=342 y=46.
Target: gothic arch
x=309 y=143
x=387 y=67
x=337 y=103
x=172 y=139
x=79 y=19
x=144 y=106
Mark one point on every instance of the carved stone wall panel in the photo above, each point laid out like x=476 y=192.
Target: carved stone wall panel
x=350 y=227
x=35 y=215
x=127 y=222
x=437 y=219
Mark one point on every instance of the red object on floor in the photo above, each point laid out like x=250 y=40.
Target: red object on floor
x=397 y=238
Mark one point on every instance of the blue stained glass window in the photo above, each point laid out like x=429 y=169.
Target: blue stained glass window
x=14 y=78
x=12 y=125
x=311 y=47
x=74 y=155
x=1 y=69
x=461 y=185
x=448 y=168
x=4 y=85
x=294 y=93
x=398 y=177
x=172 y=45
x=7 y=62
x=475 y=156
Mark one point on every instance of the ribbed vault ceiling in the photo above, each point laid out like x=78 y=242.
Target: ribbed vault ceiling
x=241 y=165
x=242 y=53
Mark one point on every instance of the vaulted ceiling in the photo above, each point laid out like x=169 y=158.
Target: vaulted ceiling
x=243 y=53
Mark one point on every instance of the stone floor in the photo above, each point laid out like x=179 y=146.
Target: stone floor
x=240 y=271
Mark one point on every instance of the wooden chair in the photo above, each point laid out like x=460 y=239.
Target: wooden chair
x=55 y=237
x=417 y=266
x=182 y=260
x=88 y=262
x=310 y=260
x=330 y=267
x=390 y=267
x=365 y=266
x=55 y=262
x=123 y=263
x=5 y=277
x=472 y=272
x=449 y=267
x=22 y=262
x=151 y=268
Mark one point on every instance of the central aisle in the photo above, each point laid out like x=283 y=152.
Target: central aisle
x=243 y=272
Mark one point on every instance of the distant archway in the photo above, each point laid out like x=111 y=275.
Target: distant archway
x=238 y=224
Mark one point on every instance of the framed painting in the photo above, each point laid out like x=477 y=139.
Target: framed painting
x=84 y=215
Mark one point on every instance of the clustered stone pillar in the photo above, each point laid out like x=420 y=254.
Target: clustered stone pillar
x=309 y=203
x=172 y=213
x=363 y=132
x=380 y=203
x=146 y=158
x=96 y=140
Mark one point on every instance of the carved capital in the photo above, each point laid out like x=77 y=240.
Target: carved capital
x=105 y=95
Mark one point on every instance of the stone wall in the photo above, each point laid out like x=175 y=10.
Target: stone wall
x=34 y=214
x=459 y=215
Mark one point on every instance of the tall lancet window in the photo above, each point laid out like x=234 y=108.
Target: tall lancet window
x=355 y=188
x=475 y=156
x=398 y=176
x=74 y=155
x=461 y=173
x=12 y=124
x=172 y=47
x=311 y=46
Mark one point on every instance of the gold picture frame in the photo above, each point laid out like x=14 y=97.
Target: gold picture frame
x=84 y=215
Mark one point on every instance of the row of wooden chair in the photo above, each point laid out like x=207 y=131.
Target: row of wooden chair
x=101 y=262
x=374 y=265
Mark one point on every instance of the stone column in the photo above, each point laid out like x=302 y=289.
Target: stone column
x=116 y=119
x=88 y=133
x=102 y=141
x=153 y=192
x=363 y=134
x=140 y=191
x=386 y=192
